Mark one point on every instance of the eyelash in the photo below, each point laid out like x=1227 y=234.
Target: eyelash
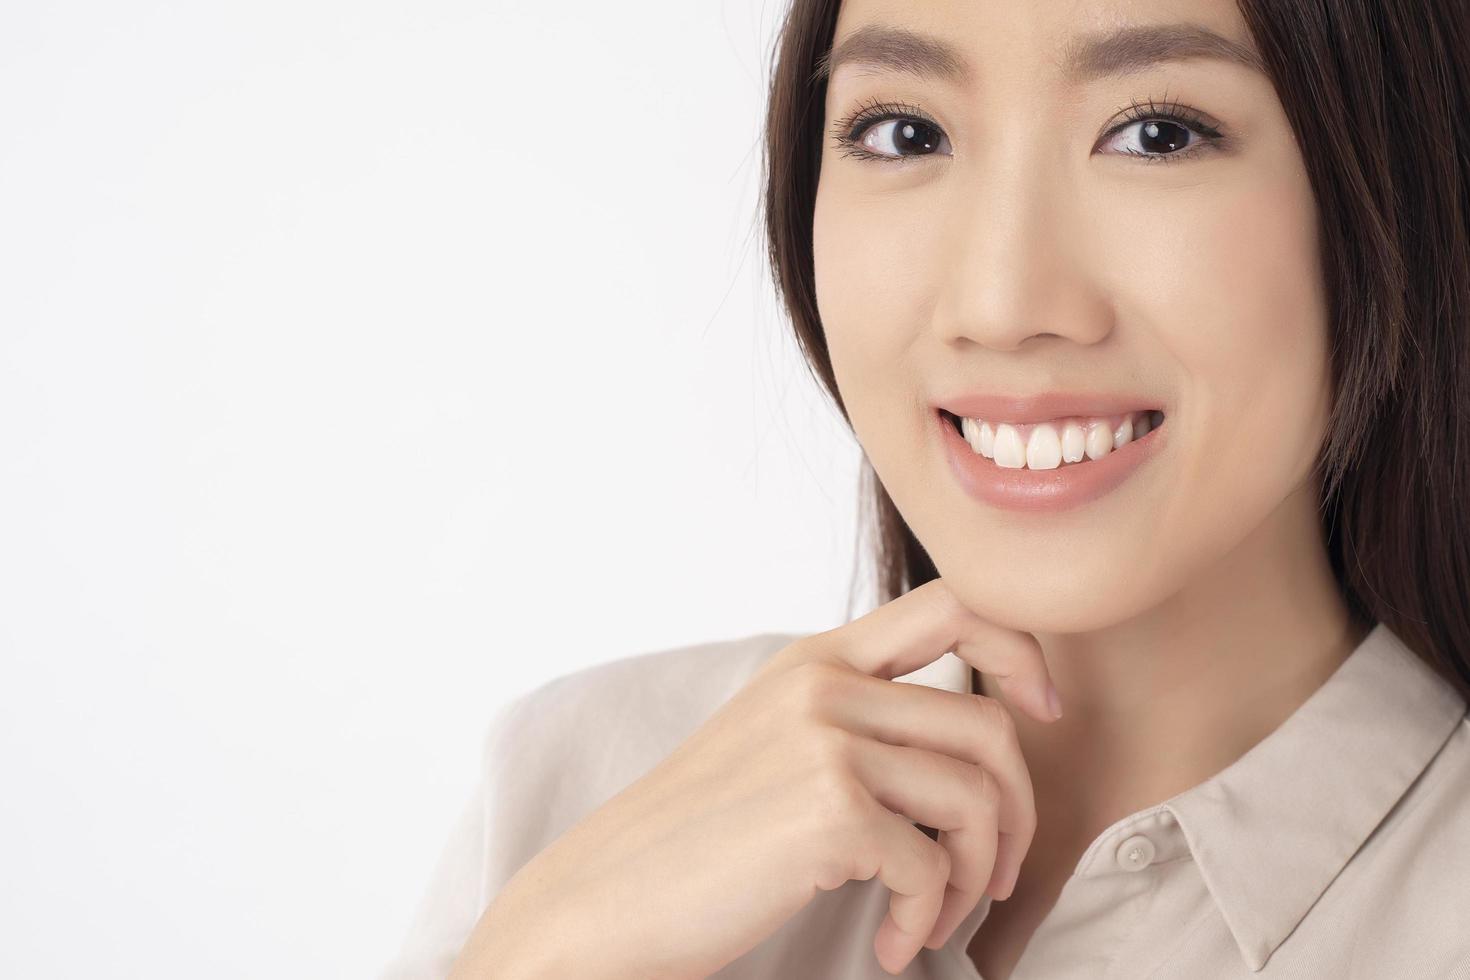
x=848 y=132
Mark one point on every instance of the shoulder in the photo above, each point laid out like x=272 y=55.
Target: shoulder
x=658 y=692
x=622 y=710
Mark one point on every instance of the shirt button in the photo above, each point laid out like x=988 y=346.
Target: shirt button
x=1135 y=853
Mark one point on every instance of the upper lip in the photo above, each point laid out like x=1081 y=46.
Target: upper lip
x=1044 y=407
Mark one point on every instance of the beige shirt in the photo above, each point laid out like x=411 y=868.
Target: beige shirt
x=1337 y=847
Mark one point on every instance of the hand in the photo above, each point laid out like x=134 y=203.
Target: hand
x=813 y=774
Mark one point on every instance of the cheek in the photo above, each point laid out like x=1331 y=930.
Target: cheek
x=868 y=296
x=855 y=270
x=1233 y=290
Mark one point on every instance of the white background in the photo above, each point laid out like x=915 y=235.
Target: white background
x=362 y=366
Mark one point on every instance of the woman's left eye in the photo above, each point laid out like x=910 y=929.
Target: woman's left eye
x=1167 y=134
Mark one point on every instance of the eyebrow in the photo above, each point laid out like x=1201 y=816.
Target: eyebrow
x=1084 y=58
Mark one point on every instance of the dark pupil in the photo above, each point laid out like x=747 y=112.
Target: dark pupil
x=1163 y=136
x=912 y=135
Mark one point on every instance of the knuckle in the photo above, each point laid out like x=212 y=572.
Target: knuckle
x=802 y=650
x=994 y=717
x=934 y=857
x=943 y=863
x=843 y=853
x=830 y=769
x=846 y=811
x=856 y=856
x=813 y=684
x=984 y=786
x=939 y=593
x=1026 y=833
x=836 y=822
x=831 y=750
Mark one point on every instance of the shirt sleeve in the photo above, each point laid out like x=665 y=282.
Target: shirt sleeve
x=457 y=890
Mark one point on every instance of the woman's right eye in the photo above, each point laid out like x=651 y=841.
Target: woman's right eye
x=892 y=138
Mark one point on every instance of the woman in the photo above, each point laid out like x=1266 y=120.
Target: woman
x=1153 y=323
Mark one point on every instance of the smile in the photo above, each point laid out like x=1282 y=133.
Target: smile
x=1038 y=466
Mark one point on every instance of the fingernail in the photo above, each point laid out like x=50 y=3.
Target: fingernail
x=1053 y=700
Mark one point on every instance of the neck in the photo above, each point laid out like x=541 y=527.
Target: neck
x=1161 y=702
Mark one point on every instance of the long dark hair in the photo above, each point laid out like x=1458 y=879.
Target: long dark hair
x=1376 y=92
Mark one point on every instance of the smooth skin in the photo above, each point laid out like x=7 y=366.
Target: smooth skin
x=812 y=775
x=1188 y=613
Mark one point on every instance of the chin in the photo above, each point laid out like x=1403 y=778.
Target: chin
x=1024 y=603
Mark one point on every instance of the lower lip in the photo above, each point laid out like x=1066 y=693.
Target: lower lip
x=1067 y=486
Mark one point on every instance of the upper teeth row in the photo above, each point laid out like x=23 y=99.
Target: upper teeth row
x=1046 y=445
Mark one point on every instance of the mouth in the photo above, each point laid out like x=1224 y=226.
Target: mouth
x=1056 y=443
x=1050 y=466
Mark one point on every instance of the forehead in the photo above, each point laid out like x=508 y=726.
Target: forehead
x=1077 y=41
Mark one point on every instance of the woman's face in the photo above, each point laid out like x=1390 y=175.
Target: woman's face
x=1000 y=241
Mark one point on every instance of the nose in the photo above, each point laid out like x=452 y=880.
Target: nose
x=1020 y=261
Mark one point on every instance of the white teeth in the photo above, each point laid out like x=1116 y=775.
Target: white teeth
x=1044 y=448
x=970 y=429
x=1009 y=451
x=980 y=436
x=1049 y=445
x=1099 y=440
x=1123 y=434
x=1073 y=442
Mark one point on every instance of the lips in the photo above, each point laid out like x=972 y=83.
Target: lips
x=1045 y=490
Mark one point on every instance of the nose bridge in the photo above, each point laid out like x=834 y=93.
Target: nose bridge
x=1013 y=250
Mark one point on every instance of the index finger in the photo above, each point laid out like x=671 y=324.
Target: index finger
x=922 y=625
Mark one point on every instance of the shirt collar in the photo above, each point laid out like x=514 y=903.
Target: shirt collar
x=1302 y=800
